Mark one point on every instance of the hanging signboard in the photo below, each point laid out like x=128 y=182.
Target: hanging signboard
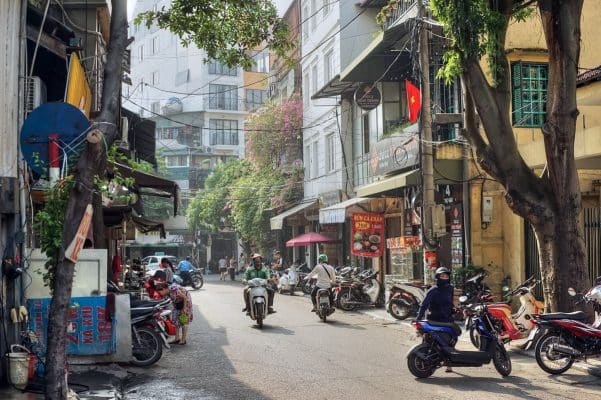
x=76 y=245
x=368 y=234
x=367 y=96
x=456 y=236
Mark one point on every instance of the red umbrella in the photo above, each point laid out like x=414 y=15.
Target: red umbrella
x=309 y=238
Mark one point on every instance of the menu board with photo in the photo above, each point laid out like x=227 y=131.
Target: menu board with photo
x=367 y=234
x=456 y=236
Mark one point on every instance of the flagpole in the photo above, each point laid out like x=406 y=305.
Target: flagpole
x=426 y=143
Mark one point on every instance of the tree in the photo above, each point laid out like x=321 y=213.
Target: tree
x=551 y=202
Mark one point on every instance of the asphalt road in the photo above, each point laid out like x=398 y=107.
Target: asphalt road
x=296 y=356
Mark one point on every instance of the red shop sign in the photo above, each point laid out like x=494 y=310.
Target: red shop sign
x=367 y=234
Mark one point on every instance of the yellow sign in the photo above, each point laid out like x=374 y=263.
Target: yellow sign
x=78 y=91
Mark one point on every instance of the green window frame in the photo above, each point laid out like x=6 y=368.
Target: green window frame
x=529 y=84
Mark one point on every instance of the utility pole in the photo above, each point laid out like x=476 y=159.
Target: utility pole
x=426 y=142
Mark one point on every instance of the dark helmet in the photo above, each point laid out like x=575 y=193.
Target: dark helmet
x=188 y=258
x=441 y=270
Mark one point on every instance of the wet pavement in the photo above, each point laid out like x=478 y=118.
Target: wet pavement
x=296 y=356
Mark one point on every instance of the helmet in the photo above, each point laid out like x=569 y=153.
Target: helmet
x=441 y=270
x=257 y=255
x=188 y=258
x=323 y=257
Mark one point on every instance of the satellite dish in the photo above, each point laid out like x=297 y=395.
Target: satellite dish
x=65 y=121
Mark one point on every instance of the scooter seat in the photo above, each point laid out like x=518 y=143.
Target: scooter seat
x=452 y=325
x=144 y=303
x=576 y=315
x=137 y=312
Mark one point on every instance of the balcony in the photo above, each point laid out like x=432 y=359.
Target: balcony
x=405 y=10
x=219 y=103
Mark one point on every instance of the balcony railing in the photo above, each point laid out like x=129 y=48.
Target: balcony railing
x=402 y=8
x=221 y=103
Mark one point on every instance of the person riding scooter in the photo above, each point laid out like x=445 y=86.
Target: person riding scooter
x=258 y=270
x=184 y=267
x=326 y=276
x=439 y=300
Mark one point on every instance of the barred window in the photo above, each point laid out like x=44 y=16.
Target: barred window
x=255 y=98
x=529 y=89
x=223 y=131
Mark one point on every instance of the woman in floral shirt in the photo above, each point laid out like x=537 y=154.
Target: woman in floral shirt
x=182 y=311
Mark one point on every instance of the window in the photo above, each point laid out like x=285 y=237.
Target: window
x=141 y=52
x=328 y=66
x=182 y=77
x=155 y=107
x=155 y=78
x=529 y=89
x=177 y=161
x=255 y=98
x=223 y=131
x=315 y=160
x=314 y=77
x=174 y=131
x=223 y=97
x=330 y=153
x=326 y=7
x=217 y=68
x=306 y=90
x=155 y=45
x=307 y=159
x=305 y=22
x=261 y=61
x=313 y=14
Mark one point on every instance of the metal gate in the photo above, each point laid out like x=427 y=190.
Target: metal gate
x=592 y=240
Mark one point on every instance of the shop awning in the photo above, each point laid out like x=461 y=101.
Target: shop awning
x=335 y=88
x=277 y=222
x=145 y=225
x=394 y=182
x=336 y=214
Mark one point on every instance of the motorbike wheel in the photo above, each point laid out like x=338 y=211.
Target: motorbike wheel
x=398 y=310
x=501 y=361
x=418 y=364
x=197 y=282
x=549 y=361
x=344 y=298
x=474 y=337
x=260 y=319
x=323 y=313
x=146 y=350
x=307 y=288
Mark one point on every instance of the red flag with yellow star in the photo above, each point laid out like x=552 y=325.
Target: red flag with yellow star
x=414 y=100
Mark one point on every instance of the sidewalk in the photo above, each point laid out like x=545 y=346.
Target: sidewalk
x=593 y=367
x=90 y=382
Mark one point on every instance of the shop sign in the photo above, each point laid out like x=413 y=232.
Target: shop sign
x=392 y=154
x=368 y=234
x=456 y=236
x=367 y=96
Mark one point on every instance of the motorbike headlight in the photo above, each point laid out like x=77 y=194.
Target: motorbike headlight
x=505 y=289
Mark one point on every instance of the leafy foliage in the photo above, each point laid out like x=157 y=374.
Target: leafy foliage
x=227 y=30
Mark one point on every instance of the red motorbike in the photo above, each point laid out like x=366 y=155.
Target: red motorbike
x=567 y=337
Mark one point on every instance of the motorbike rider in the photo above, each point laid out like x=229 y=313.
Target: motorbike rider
x=185 y=266
x=258 y=270
x=326 y=276
x=439 y=300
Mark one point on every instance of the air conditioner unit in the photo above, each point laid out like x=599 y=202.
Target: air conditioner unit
x=36 y=93
x=209 y=149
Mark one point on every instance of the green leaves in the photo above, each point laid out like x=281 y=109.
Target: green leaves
x=227 y=30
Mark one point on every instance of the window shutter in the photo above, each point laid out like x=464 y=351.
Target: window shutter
x=516 y=80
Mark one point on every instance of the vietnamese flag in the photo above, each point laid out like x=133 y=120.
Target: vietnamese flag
x=414 y=100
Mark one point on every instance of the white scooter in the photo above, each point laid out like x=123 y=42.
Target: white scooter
x=324 y=306
x=288 y=281
x=257 y=299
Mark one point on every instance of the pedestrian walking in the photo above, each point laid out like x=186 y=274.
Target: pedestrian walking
x=222 y=268
x=242 y=263
x=181 y=315
x=233 y=265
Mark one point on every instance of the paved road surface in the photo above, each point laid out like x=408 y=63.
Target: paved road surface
x=296 y=356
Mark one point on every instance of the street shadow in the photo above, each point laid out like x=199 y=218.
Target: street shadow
x=510 y=385
x=274 y=329
x=576 y=380
x=339 y=324
x=199 y=370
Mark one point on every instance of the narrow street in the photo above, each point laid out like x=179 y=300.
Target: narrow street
x=296 y=356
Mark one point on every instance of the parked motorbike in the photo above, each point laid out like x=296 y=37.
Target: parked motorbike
x=405 y=298
x=512 y=326
x=360 y=292
x=288 y=281
x=476 y=290
x=567 y=338
x=194 y=278
x=438 y=347
x=257 y=299
x=324 y=304
x=149 y=331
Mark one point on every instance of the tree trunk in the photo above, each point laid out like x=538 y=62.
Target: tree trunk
x=89 y=165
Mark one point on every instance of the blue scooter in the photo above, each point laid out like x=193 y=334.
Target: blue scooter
x=438 y=346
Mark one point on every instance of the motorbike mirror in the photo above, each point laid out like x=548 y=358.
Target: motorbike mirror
x=571 y=292
x=462 y=299
x=505 y=289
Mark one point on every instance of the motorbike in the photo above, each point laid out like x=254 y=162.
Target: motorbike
x=308 y=283
x=365 y=290
x=567 y=338
x=476 y=290
x=150 y=328
x=512 y=326
x=258 y=300
x=324 y=306
x=405 y=298
x=194 y=278
x=438 y=347
x=288 y=281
